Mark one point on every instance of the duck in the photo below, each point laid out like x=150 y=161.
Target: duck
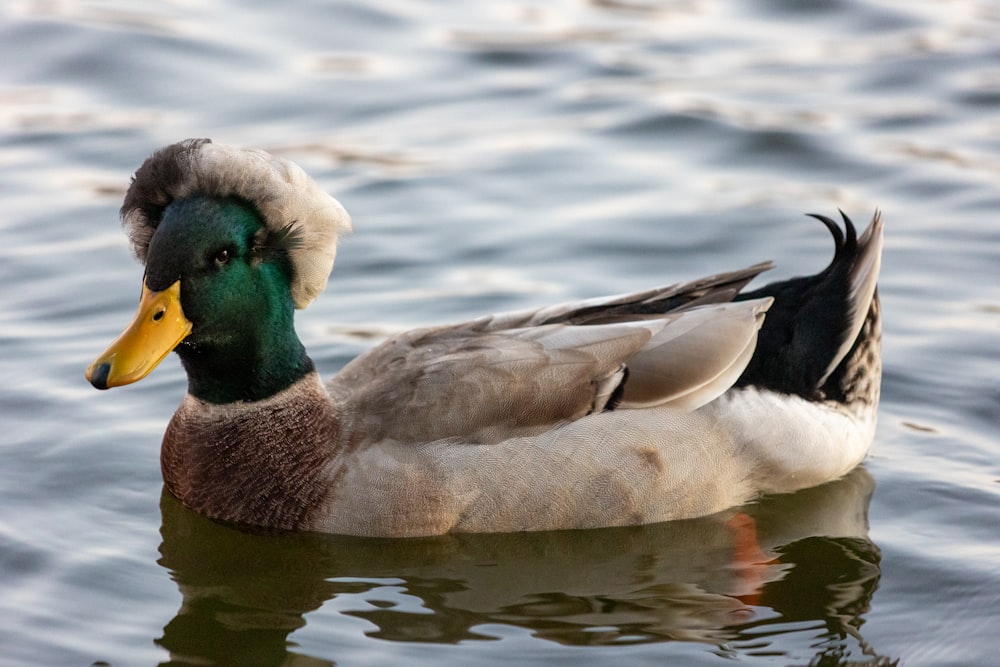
x=670 y=403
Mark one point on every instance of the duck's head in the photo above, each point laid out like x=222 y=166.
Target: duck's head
x=233 y=241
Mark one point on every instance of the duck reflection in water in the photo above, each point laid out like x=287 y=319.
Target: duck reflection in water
x=790 y=576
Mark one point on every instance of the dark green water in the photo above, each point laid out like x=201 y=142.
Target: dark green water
x=499 y=156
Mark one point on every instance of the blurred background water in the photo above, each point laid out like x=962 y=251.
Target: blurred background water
x=496 y=156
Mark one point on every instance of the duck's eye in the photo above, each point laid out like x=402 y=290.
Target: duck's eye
x=222 y=257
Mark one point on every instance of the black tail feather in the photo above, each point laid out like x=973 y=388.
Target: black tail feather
x=803 y=341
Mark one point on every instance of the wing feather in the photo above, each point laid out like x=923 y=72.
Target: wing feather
x=481 y=385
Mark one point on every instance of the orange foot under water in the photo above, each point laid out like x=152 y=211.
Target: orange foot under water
x=749 y=561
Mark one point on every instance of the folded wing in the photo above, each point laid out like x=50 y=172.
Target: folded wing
x=524 y=373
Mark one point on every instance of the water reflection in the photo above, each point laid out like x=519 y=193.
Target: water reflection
x=811 y=569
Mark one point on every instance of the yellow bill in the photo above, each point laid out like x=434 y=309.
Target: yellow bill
x=157 y=328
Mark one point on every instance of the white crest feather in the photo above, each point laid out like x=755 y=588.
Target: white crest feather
x=281 y=191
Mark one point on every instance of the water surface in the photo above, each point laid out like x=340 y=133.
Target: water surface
x=496 y=156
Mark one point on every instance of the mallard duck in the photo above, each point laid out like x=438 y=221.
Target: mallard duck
x=670 y=403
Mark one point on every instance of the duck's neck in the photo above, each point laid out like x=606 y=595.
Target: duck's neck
x=257 y=362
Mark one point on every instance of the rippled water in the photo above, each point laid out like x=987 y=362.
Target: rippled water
x=494 y=156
